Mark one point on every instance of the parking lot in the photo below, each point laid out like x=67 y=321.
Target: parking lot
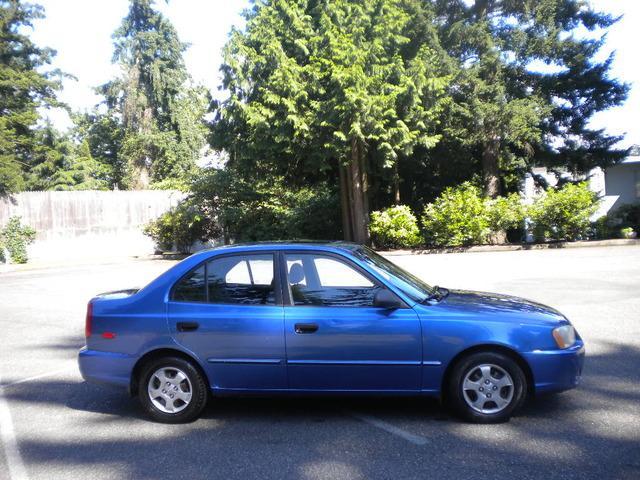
x=55 y=426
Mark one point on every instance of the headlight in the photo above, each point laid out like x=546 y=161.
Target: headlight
x=565 y=336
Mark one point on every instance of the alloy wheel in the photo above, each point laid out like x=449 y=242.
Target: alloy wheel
x=487 y=388
x=169 y=390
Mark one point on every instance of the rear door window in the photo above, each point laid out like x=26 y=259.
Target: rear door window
x=230 y=279
x=242 y=279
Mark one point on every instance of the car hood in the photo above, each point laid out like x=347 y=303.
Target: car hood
x=495 y=305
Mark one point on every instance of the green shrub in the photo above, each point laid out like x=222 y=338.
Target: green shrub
x=276 y=213
x=563 y=214
x=628 y=216
x=603 y=228
x=504 y=213
x=15 y=237
x=181 y=227
x=257 y=209
x=457 y=217
x=395 y=227
x=628 y=232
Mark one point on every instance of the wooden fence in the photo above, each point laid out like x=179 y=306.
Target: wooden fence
x=94 y=223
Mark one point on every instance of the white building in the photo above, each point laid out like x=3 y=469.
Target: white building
x=616 y=185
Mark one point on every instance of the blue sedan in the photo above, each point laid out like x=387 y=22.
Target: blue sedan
x=331 y=318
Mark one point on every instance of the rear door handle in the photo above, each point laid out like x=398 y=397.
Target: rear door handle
x=187 y=326
x=306 y=327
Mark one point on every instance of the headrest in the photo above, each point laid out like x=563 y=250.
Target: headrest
x=296 y=274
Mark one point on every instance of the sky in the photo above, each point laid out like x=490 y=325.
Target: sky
x=80 y=31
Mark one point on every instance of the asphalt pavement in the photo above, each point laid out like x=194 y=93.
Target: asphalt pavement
x=55 y=426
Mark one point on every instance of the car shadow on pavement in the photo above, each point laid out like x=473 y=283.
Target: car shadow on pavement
x=591 y=432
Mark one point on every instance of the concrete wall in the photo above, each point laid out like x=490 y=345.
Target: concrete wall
x=620 y=183
x=89 y=223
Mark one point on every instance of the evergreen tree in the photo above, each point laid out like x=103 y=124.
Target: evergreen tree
x=512 y=114
x=80 y=171
x=333 y=87
x=51 y=149
x=160 y=116
x=24 y=87
x=58 y=162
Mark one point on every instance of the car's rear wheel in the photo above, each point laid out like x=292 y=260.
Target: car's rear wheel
x=172 y=390
x=487 y=387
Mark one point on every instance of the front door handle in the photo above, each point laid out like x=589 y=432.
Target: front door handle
x=187 y=326
x=306 y=327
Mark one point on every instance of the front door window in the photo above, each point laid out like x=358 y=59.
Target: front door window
x=322 y=280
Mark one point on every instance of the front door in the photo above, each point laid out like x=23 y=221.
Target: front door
x=337 y=340
x=228 y=312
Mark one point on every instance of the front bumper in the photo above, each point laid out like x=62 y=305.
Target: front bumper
x=106 y=367
x=556 y=370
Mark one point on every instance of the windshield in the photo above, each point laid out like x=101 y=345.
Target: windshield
x=412 y=286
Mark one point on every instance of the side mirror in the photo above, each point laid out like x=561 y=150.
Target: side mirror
x=385 y=299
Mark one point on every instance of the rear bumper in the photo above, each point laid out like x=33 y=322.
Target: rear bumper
x=106 y=367
x=556 y=370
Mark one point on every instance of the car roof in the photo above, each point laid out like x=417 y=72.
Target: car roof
x=284 y=245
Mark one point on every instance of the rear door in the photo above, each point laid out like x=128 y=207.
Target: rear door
x=337 y=339
x=228 y=311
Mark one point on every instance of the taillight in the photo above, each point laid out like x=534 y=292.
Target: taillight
x=88 y=320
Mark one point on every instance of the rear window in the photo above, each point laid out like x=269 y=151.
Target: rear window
x=234 y=279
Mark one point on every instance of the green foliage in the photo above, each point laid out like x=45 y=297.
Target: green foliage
x=25 y=86
x=462 y=216
x=563 y=214
x=158 y=115
x=603 y=228
x=457 y=217
x=260 y=209
x=395 y=227
x=314 y=85
x=628 y=216
x=504 y=213
x=59 y=163
x=511 y=113
x=15 y=237
x=181 y=227
x=628 y=232
x=103 y=134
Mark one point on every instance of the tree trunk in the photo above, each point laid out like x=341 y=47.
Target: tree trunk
x=140 y=167
x=345 y=203
x=353 y=196
x=396 y=183
x=491 y=178
x=140 y=177
x=359 y=215
x=364 y=175
x=490 y=171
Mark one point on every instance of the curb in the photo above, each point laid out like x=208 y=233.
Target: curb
x=516 y=247
x=27 y=267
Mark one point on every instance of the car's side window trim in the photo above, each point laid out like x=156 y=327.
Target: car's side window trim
x=277 y=284
x=286 y=287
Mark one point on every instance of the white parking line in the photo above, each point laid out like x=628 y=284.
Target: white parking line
x=37 y=377
x=387 y=427
x=9 y=443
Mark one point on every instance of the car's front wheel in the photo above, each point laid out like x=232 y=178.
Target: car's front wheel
x=487 y=387
x=172 y=390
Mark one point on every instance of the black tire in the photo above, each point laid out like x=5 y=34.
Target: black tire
x=194 y=382
x=492 y=411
